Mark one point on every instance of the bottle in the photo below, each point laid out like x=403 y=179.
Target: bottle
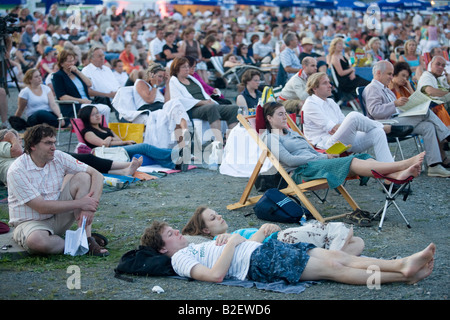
x=113 y=182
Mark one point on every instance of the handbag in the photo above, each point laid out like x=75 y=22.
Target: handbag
x=114 y=154
x=278 y=207
x=128 y=131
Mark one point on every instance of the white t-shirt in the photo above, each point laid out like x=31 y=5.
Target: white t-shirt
x=34 y=102
x=207 y=254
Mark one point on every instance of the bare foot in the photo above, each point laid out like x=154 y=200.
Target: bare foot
x=134 y=165
x=419 y=265
x=413 y=170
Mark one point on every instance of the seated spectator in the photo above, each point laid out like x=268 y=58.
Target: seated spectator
x=288 y=57
x=197 y=102
x=11 y=148
x=191 y=47
x=382 y=104
x=96 y=135
x=47 y=62
x=38 y=102
x=128 y=59
x=115 y=45
x=156 y=47
x=242 y=54
x=208 y=51
x=413 y=58
x=48 y=191
x=103 y=82
x=293 y=94
x=119 y=73
x=397 y=51
x=213 y=92
x=228 y=46
x=230 y=61
x=346 y=75
x=71 y=84
x=325 y=124
x=146 y=91
x=307 y=46
x=263 y=51
x=434 y=83
x=374 y=52
x=249 y=97
x=208 y=224
x=170 y=48
x=401 y=87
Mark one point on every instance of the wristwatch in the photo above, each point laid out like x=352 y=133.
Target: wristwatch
x=155 y=86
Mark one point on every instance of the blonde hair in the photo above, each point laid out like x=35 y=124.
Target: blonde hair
x=405 y=46
x=314 y=81
x=334 y=42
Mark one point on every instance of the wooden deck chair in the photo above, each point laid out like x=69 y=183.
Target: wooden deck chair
x=293 y=188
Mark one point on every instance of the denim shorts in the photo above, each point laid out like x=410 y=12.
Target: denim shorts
x=275 y=261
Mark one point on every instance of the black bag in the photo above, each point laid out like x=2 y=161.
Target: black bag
x=265 y=182
x=144 y=261
x=278 y=207
x=17 y=123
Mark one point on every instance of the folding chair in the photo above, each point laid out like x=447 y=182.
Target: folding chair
x=293 y=188
x=78 y=126
x=343 y=96
x=391 y=196
x=396 y=140
x=64 y=105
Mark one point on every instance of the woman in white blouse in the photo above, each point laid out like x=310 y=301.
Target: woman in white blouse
x=38 y=102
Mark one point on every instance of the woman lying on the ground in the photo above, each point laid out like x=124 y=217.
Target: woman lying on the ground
x=96 y=135
x=206 y=223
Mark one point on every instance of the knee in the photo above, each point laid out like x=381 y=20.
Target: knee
x=81 y=179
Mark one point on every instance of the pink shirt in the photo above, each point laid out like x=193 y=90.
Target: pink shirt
x=26 y=181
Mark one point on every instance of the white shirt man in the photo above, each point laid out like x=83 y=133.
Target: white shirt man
x=104 y=82
x=156 y=45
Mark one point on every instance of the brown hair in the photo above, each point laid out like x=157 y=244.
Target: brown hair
x=35 y=134
x=176 y=65
x=269 y=109
x=196 y=224
x=152 y=236
x=63 y=55
x=28 y=75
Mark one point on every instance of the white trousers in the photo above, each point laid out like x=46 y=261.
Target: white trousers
x=363 y=133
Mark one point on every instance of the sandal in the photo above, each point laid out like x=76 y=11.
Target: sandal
x=358 y=218
x=100 y=239
x=95 y=249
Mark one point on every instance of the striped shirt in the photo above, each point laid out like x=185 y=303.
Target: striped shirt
x=208 y=253
x=289 y=58
x=26 y=181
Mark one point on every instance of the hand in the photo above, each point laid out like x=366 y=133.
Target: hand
x=87 y=203
x=74 y=69
x=332 y=156
x=62 y=122
x=269 y=228
x=9 y=137
x=222 y=239
x=130 y=142
x=334 y=129
x=401 y=101
x=85 y=101
x=107 y=141
x=89 y=218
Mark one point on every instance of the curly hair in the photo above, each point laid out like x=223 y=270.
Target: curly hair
x=152 y=236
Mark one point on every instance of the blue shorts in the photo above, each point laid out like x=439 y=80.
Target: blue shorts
x=275 y=261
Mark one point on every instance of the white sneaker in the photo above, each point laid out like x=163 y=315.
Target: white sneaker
x=438 y=171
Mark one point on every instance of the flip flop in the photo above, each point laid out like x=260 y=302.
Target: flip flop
x=100 y=239
x=95 y=249
x=358 y=218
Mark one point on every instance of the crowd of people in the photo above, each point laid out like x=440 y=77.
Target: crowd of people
x=168 y=60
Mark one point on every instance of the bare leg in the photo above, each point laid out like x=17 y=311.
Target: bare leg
x=180 y=133
x=397 y=170
x=341 y=267
x=353 y=245
x=126 y=168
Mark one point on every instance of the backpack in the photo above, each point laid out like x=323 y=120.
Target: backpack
x=278 y=207
x=144 y=261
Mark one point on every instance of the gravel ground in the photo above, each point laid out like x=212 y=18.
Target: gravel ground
x=124 y=214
